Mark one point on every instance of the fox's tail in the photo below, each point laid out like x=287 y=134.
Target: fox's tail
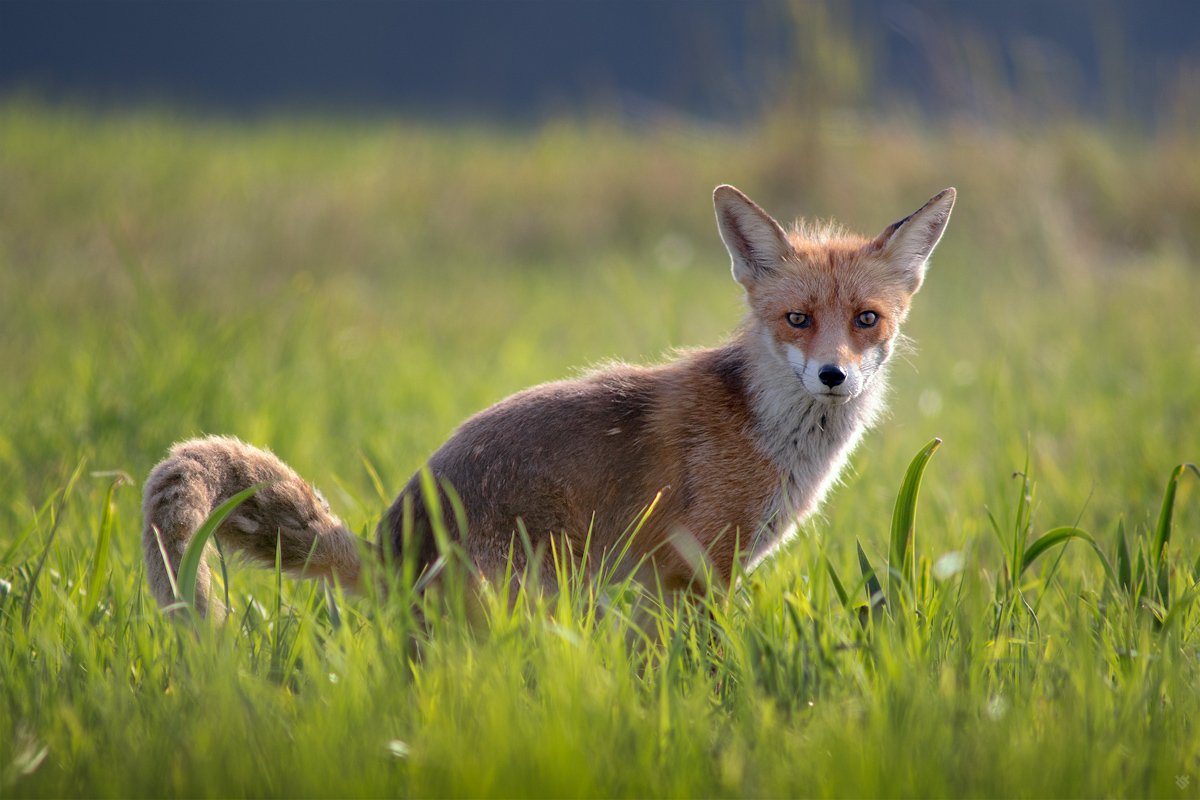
x=286 y=513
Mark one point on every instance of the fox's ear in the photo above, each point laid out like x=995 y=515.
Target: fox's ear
x=906 y=244
x=755 y=242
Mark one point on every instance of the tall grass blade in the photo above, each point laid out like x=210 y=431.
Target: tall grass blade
x=875 y=598
x=1023 y=523
x=430 y=574
x=1139 y=581
x=189 y=565
x=277 y=628
x=902 y=562
x=27 y=609
x=1180 y=606
x=434 y=510
x=335 y=611
x=838 y=588
x=20 y=539
x=1124 y=564
x=104 y=537
x=162 y=553
x=224 y=571
x=1051 y=539
x=376 y=481
x=1162 y=532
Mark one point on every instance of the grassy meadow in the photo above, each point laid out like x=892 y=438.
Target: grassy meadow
x=346 y=292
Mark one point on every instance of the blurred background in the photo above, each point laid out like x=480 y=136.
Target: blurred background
x=719 y=61
x=340 y=228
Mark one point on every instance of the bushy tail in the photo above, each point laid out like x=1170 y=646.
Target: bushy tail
x=287 y=513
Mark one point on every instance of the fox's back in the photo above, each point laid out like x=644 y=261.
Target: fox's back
x=588 y=457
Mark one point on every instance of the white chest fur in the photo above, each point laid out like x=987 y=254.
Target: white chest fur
x=809 y=441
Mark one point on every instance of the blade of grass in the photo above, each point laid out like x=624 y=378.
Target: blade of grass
x=1023 y=522
x=875 y=598
x=1140 y=576
x=27 y=609
x=902 y=561
x=1124 y=564
x=1051 y=539
x=224 y=572
x=1162 y=532
x=278 y=629
x=1176 y=612
x=189 y=565
x=376 y=481
x=162 y=553
x=104 y=537
x=20 y=539
x=335 y=611
x=434 y=510
x=838 y=588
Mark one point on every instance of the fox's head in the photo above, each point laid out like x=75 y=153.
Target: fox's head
x=828 y=304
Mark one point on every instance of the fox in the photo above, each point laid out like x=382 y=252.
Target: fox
x=717 y=455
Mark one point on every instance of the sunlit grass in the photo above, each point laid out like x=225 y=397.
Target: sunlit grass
x=347 y=293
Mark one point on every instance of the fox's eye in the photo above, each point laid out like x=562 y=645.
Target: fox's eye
x=866 y=319
x=798 y=320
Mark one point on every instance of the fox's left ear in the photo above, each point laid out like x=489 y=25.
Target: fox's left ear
x=906 y=244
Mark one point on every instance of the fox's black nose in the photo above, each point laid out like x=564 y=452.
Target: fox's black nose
x=831 y=375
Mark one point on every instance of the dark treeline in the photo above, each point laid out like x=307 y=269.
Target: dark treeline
x=717 y=60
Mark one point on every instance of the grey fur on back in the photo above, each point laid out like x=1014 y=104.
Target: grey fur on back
x=200 y=474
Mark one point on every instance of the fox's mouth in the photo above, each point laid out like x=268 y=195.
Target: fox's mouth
x=827 y=395
x=830 y=397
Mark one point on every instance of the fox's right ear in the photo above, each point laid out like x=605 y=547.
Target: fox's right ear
x=756 y=243
x=907 y=244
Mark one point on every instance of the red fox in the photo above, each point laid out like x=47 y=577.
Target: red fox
x=732 y=446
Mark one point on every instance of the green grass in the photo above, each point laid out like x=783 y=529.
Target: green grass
x=347 y=292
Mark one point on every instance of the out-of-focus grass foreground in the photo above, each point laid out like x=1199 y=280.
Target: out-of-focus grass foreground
x=345 y=293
